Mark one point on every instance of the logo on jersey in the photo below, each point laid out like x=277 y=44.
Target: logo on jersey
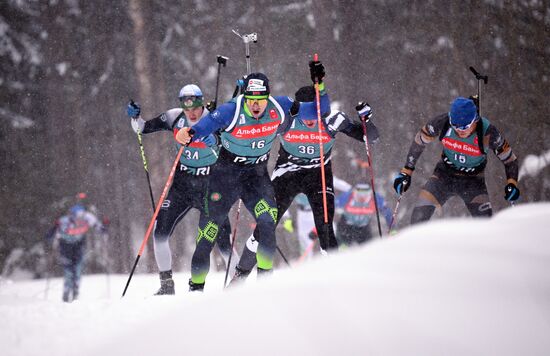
x=258 y=130
x=306 y=137
x=215 y=196
x=461 y=147
x=273 y=114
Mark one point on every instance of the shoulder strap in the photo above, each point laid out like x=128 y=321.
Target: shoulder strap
x=479 y=132
x=444 y=130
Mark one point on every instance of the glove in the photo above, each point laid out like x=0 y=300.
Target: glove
x=210 y=140
x=402 y=182
x=184 y=135
x=511 y=192
x=317 y=71
x=364 y=110
x=211 y=105
x=133 y=110
x=137 y=124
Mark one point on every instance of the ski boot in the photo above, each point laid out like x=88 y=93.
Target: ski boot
x=166 y=284
x=239 y=276
x=195 y=287
x=264 y=272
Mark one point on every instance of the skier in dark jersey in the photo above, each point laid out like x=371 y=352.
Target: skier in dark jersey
x=190 y=183
x=298 y=169
x=466 y=140
x=250 y=123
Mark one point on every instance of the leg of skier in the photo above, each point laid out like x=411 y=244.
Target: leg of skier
x=173 y=209
x=285 y=192
x=259 y=198
x=314 y=194
x=434 y=194
x=474 y=194
x=223 y=190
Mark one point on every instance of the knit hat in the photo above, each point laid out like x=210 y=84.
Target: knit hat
x=256 y=86
x=305 y=94
x=190 y=96
x=463 y=113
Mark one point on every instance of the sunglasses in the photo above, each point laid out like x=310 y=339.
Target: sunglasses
x=463 y=127
x=259 y=101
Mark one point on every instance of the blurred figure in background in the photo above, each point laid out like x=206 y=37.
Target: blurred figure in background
x=357 y=213
x=70 y=240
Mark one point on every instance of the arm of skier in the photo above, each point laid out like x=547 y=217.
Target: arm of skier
x=503 y=151
x=428 y=133
x=355 y=131
x=214 y=121
x=164 y=121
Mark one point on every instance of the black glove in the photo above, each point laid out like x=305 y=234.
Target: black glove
x=511 y=192
x=133 y=110
x=211 y=105
x=402 y=183
x=364 y=110
x=317 y=71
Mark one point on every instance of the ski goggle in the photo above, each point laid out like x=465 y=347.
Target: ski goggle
x=188 y=102
x=462 y=127
x=261 y=101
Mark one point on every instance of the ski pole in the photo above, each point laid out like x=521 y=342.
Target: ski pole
x=394 y=215
x=221 y=61
x=283 y=256
x=322 y=155
x=232 y=243
x=153 y=219
x=363 y=121
x=479 y=78
x=142 y=151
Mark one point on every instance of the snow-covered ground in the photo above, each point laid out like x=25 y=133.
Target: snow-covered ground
x=449 y=287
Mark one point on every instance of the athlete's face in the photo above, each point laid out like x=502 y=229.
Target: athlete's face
x=466 y=132
x=309 y=123
x=256 y=107
x=193 y=114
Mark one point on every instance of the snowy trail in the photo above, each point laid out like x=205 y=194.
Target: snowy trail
x=447 y=287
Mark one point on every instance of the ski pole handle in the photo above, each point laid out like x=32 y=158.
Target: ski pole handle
x=479 y=76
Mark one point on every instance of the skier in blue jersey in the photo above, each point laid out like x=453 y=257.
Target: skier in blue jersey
x=298 y=168
x=190 y=183
x=70 y=237
x=249 y=123
x=357 y=211
x=466 y=139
